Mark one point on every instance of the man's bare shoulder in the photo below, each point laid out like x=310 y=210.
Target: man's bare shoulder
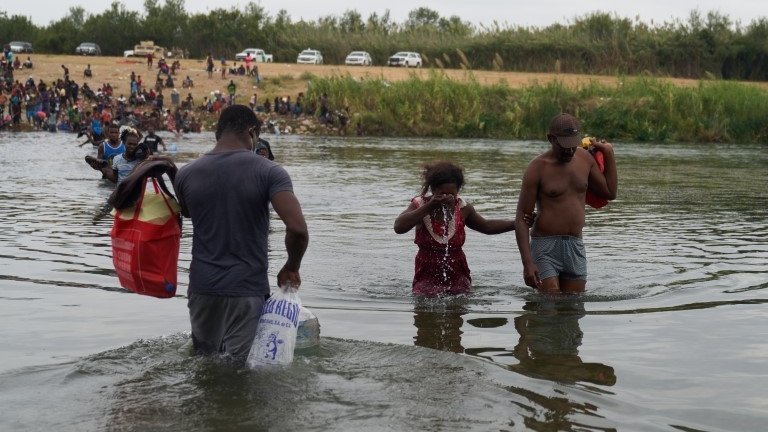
x=537 y=164
x=539 y=160
x=584 y=157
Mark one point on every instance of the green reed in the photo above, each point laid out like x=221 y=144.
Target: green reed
x=636 y=109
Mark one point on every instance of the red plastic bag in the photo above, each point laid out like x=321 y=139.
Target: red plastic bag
x=592 y=199
x=145 y=244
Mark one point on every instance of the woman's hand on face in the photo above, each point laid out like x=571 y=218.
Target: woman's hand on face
x=446 y=200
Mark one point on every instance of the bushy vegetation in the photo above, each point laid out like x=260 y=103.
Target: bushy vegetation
x=637 y=109
x=599 y=43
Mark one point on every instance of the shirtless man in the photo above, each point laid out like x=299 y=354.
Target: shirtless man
x=554 y=258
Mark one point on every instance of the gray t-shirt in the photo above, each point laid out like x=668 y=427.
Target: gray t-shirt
x=123 y=166
x=227 y=194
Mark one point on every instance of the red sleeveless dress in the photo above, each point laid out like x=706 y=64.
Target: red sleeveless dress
x=441 y=266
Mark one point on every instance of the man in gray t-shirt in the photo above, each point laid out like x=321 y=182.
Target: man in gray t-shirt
x=226 y=193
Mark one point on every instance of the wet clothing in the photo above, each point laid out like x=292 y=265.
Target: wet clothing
x=227 y=195
x=224 y=324
x=110 y=152
x=441 y=266
x=152 y=141
x=560 y=256
x=123 y=166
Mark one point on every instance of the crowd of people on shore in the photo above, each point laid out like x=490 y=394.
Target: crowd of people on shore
x=66 y=105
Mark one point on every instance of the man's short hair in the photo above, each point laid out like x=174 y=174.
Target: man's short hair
x=236 y=119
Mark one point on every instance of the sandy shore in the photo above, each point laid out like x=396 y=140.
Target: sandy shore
x=117 y=70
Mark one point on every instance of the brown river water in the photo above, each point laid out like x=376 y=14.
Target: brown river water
x=672 y=333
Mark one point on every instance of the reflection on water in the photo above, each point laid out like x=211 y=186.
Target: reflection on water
x=547 y=347
x=549 y=342
x=438 y=323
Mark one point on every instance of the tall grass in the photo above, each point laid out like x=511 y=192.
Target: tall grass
x=637 y=109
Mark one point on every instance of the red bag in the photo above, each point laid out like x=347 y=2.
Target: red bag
x=592 y=199
x=145 y=244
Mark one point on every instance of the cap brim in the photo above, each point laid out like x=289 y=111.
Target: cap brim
x=569 y=141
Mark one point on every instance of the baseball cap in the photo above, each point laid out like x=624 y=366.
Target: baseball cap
x=566 y=128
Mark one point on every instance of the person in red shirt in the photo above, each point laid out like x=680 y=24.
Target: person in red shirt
x=440 y=218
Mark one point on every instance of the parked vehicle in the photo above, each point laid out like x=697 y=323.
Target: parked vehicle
x=258 y=55
x=405 y=59
x=310 y=56
x=88 y=48
x=358 y=58
x=21 y=47
x=148 y=47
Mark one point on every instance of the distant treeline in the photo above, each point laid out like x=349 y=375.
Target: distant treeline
x=708 y=45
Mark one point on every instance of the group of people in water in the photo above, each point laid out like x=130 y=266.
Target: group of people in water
x=549 y=239
x=548 y=223
x=228 y=280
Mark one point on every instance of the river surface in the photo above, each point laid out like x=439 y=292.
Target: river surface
x=672 y=333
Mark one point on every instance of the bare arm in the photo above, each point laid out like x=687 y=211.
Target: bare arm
x=605 y=184
x=109 y=173
x=487 y=226
x=413 y=216
x=410 y=217
x=288 y=208
x=525 y=205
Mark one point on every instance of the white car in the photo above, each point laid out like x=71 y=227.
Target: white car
x=310 y=56
x=405 y=59
x=258 y=55
x=20 y=47
x=358 y=58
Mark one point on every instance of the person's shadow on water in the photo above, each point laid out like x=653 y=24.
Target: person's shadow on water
x=438 y=323
x=548 y=344
x=548 y=347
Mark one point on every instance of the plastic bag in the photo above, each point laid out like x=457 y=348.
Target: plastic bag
x=275 y=337
x=145 y=244
x=308 y=333
x=592 y=199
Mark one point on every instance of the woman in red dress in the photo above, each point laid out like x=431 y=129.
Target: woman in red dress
x=440 y=218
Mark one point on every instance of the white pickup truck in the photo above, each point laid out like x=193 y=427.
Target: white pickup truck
x=258 y=55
